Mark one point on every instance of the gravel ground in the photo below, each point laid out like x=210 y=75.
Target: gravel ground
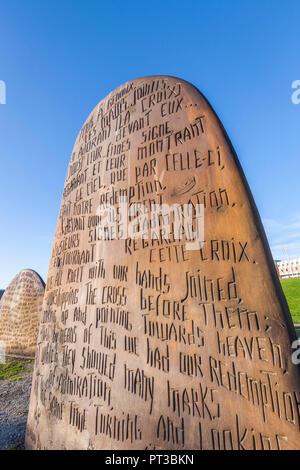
x=14 y=404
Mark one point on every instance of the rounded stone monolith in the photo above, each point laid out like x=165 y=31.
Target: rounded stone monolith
x=164 y=325
x=20 y=310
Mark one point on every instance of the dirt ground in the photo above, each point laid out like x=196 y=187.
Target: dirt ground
x=14 y=404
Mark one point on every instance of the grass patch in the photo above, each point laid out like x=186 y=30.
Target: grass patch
x=11 y=447
x=15 y=370
x=291 y=289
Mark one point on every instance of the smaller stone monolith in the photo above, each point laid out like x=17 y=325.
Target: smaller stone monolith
x=20 y=309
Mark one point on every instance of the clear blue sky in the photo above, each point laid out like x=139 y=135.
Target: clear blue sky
x=59 y=58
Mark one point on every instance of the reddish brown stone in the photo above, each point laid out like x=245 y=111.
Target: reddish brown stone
x=145 y=344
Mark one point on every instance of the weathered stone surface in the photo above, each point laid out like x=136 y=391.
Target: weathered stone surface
x=146 y=343
x=20 y=310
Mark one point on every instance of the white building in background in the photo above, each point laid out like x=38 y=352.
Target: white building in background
x=290 y=268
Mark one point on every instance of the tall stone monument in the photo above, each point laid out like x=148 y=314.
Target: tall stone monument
x=20 y=310
x=164 y=325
